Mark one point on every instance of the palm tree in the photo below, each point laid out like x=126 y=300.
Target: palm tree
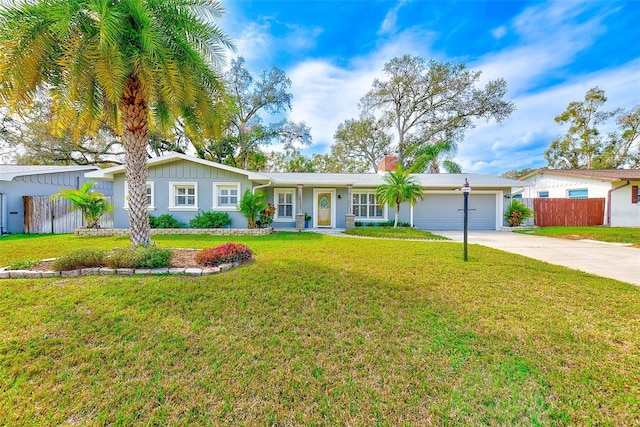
x=92 y=204
x=400 y=187
x=429 y=158
x=134 y=65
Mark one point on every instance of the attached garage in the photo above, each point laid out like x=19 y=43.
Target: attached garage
x=442 y=211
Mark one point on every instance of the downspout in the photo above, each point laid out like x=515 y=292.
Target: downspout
x=609 y=201
x=2 y=213
x=253 y=190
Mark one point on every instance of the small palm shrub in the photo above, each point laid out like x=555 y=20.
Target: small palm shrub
x=227 y=253
x=517 y=213
x=164 y=221
x=80 y=258
x=210 y=220
x=251 y=205
x=92 y=204
x=139 y=257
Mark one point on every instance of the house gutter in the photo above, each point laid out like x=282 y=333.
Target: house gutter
x=609 y=201
x=3 y=214
x=253 y=190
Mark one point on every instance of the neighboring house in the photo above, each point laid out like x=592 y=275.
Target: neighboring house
x=18 y=181
x=619 y=188
x=182 y=185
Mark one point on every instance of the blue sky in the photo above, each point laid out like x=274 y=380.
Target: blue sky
x=550 y=53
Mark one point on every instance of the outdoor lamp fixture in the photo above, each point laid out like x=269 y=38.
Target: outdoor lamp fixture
x=466 y=189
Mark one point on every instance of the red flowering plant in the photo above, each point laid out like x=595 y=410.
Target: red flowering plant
x=223 y=254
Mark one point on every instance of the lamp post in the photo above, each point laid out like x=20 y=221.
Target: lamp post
x=466 y=189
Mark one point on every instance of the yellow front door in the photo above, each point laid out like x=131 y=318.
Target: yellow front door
x=324 y=209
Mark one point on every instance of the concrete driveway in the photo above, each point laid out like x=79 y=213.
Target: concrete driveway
x=603 y=259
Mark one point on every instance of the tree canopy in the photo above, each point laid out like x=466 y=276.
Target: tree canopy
x=361 y=143
x=430 y=102
x=586 y=146
x=243 y=132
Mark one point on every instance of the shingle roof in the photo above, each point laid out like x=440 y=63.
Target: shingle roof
x=9 y=172
x=442 y=180
x=599 y=174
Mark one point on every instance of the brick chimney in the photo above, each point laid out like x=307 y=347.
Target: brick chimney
x=387 y=164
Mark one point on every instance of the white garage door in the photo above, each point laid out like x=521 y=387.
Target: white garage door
x=444 y=212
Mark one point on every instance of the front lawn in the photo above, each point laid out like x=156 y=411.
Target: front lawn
x=320 y=330
x=394 y=233
x=603 y=234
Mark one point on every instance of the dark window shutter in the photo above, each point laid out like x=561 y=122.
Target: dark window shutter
x=634 y=194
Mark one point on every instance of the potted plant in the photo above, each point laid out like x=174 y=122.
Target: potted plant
x=307 y=218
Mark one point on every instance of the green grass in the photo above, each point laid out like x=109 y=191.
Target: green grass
x=604 y=234
x=394 y=233
x=320 y=330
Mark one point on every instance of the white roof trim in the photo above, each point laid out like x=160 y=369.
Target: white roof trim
x=109 y=173
x=38 y=170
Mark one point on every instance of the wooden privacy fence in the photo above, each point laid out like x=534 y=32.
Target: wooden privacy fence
x=569 y=212
x=42 y=215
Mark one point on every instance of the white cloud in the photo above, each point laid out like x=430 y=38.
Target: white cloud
x=551 y=37
x=389 y=24
x=324 y=94
x=499 y=32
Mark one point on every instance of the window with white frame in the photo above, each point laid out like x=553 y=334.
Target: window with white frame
x=365 y=205
x=150 y=196
x=578 y=194
x=226 y=195
x=183 y=196
x=543 y=194
x=285 y=201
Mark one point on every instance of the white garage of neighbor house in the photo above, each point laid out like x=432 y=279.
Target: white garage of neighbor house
x=619 y=188
x=182 y=185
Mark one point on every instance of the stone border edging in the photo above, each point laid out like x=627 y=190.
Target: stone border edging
x=104 y=271
x=93 y=232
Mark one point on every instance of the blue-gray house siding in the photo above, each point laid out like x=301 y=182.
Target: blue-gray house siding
x=37 y=184
x=163 y=176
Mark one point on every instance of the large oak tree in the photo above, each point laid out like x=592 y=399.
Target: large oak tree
x=429 y=102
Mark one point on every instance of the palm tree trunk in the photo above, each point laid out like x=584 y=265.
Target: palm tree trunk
x=395 y=224
x=135 y=113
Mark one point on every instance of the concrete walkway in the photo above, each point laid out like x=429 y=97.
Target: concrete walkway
x=602 y=259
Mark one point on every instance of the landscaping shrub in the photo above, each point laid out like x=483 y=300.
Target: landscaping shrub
x=266 y=216
x=164 y=221
x=381 y=224
x=517 y=213
x=227 y=253
x=24 y=264
x=139 y=257
x=210 y=220
x=251 y=205
x=80 y=258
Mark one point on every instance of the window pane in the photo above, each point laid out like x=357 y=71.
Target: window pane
x=578 y=194
x=289 y=197
x=280 y=198
x=372 y=199
x=289 y=211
